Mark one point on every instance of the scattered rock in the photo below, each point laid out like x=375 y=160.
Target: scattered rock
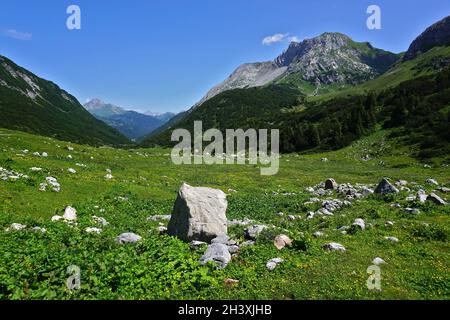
x=93 y=230
x=358 y=224
x=385 y=187
x=432 y=181
x=71 y=170
x=377 y=261
x=444 y=189
x=161 y=229
x=254 y=231
x=109 y=176
x=318 y=234
x=70 y=214
x=100 y=220
x=282 y=241
x=165 y=217
x=199 y=214
x=15 y=227
x=436 y=199
x=217 y=253
x=421 y=195
x=273 y=263
x=230 y=282
x=412 y=210
x=324 y=159
x=128 y=238
x=392 y=239
x=195 y=245
x=39 y=229
x=35 y=169
x=57 y=218
x=236 y=222
x=330 y=184
x=333 y=246
x=401 y=183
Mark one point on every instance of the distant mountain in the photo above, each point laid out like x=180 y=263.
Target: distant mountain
x=32 y=104
x=436 y=35
x=329 y=60
x=132 y=124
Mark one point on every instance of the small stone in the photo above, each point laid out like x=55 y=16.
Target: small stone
x=231 y=282
x=330 y=184
x=71 y=170
x=412 y=210
x=318 y=234
x=359 y=223
x=377 y=261
x=159 y=217
x=281 y=241
x=16 y=227
x=195 y=244
x=128 y=238
x=100 y=220
x=432 y=181
x=93 y=230
x=70 y=214
x=161 y=229
x=39 y=229
x=333 y=246
x=57 y=218
x=273 y=263
x=109 y=176
x=392 y=239
x=253 y=232
x=436 y=199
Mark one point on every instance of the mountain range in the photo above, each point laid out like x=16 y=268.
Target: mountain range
x=132 y=124
x=325 y=92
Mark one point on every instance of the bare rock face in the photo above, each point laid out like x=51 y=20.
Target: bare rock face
x=436 y=35
x=198 y=214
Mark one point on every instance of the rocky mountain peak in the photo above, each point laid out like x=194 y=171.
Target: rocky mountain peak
x=436 y=35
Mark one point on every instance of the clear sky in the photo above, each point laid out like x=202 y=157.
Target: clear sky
x=161 y=56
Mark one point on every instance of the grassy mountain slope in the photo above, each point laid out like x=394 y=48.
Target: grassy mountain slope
x=239 y=108
x=417 y=90
x=32 y=104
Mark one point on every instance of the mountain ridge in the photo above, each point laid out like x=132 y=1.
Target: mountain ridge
x=32 y=104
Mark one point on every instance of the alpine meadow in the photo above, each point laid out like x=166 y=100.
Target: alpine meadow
x=93 y=206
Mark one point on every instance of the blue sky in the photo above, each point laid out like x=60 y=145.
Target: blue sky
x=164 y=55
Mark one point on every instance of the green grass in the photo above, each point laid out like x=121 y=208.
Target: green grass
x=33 y=265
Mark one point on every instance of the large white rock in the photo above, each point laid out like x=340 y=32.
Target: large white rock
x=198 y=214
